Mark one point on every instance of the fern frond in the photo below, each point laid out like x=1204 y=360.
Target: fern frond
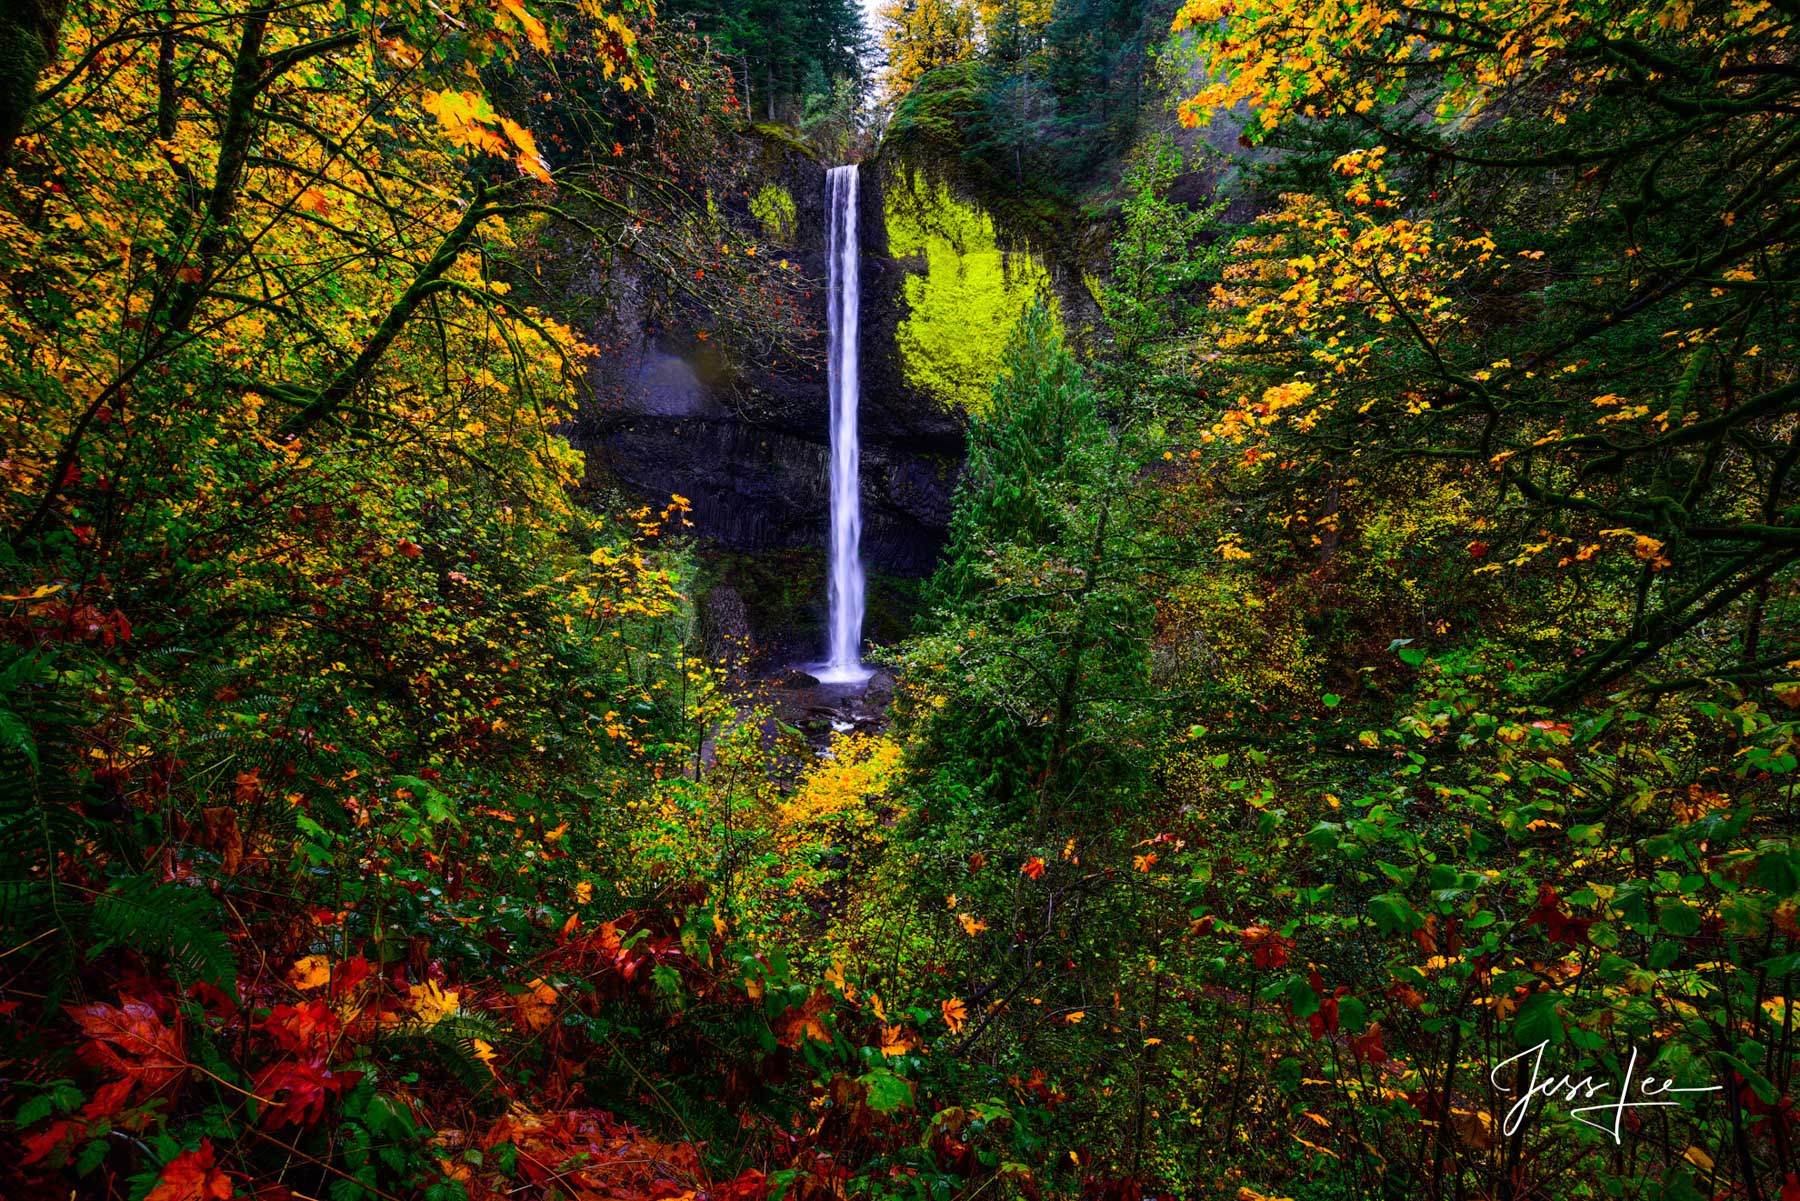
x=179 y=923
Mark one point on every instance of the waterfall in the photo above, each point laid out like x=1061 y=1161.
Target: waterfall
x=843 y=658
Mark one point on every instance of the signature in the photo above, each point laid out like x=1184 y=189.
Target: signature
x=1650 y=1092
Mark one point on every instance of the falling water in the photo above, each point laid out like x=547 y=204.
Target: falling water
x=843 y=660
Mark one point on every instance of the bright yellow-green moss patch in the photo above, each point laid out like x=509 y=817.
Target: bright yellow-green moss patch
x=963 y=306
x=774 y=207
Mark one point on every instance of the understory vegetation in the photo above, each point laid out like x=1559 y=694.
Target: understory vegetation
x=1361 y=673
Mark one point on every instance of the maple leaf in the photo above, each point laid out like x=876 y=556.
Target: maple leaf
x=430 y=1003
x=1558 y=926
x=107 y=1101
x=221 y=833
x=464 y=117
x=534 y=28
x=528 y=158
x=533 y=1010
x=971 y=926
x=313 y=971
x=1367 y=1048
x=130 y=1041
x=894 y=1041
x=307 y=1029
x=53 y=1142
x=1034 y=867
x=298 y=1092
x=807 y=1021
x=192 y=1176
x=1267 y=948
x=313 y=201
x=955 y=1014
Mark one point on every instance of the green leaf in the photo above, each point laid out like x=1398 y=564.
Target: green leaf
x=1781 y=965
x=1538 y=1021
x=1331 y=700
x=887 y=1092
x=1679 y=918
x=1301 y=998
x=1394 y=914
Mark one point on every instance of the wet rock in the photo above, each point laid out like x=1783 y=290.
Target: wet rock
x=725 y=626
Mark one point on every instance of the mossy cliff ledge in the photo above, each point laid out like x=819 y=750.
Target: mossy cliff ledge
x=747 y=440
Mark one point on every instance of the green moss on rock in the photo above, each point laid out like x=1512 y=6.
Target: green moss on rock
x=963 y=306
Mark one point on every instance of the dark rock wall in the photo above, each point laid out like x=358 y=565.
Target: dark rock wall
x=749 y=446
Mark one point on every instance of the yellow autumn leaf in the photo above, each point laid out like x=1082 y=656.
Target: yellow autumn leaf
x=36 y=594
x=311 y=972
x=431 y=1004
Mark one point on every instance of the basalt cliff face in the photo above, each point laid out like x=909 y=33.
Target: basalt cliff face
x=749 y=445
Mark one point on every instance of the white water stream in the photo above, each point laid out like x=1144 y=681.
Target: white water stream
x=843 y=654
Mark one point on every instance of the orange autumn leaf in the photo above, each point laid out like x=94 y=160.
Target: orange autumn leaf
x=314 y=971
x=1034 y=867
x=955 y=1014
x=534 y=28
x=528 y=158
x=806 y=1022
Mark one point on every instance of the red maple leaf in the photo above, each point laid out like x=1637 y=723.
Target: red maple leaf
x=1325 y=1019
x=1267 y=948
x=191 y=1176
x=307 y=1030
x=1558 y=926
x=299 y=1091
x=1367 y=1048
x=53 y=1142
x=130 y=1041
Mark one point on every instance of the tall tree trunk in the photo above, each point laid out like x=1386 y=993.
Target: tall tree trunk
x=28 y=35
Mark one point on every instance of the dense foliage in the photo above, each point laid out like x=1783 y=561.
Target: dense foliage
x=1361 y=673
x=790 y=56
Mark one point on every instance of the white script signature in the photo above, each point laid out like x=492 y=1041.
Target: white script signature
x=1651 y=1092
